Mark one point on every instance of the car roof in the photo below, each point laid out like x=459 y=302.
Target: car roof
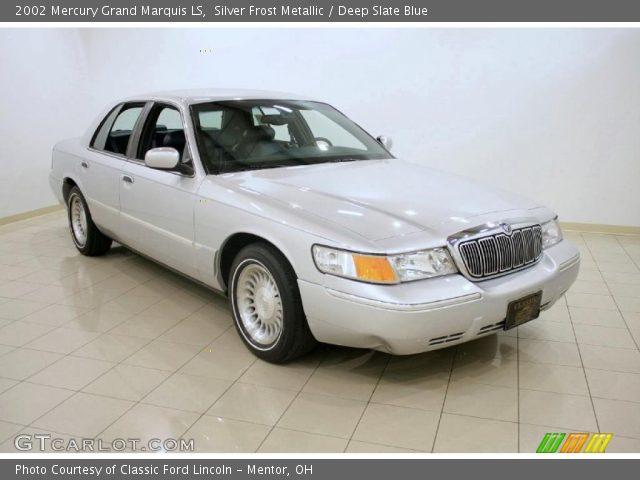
x=216 y=94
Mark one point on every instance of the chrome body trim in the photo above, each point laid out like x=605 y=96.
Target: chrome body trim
x=406 y=307
x=569 y=263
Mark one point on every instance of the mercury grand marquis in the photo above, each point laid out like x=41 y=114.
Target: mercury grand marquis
x=310 y=226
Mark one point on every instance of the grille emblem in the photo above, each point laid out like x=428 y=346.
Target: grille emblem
x=506 y=228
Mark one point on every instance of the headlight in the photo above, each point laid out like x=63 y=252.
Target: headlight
x=551 y=233
x=384 y=269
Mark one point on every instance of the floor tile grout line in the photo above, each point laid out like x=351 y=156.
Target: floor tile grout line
x=139 y=401
x=518 y=386
x=93 y=307
x=348 y=441
x=417 y=409
x=444 y=400
x=231 y=384
x=584 y=370
x=633 y=260
x=34 y=339
x=84 y=386
x=368 y=402
x=26 y=379
x=618 y=306
x=77 y=288
x=101 y=334
x=297 y=395
x=75 y=391
x=335 y=436
x=97 y=284
x=46 y=305
x=65 y=275
x=177 y=370
x=466 y=415
x=70 y=354
x=584 y=373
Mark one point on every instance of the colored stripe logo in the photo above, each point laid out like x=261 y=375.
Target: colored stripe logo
x=574 y=442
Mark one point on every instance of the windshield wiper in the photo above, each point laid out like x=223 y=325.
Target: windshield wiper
x=344 y=159
x=300 y=163
x=264 y=167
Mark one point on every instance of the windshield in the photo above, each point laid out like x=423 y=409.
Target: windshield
x=242 y=135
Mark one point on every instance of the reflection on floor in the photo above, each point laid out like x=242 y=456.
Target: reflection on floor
x=118 y=347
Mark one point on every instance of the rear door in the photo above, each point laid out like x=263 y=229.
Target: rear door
x=101 y=169
x=157 y=205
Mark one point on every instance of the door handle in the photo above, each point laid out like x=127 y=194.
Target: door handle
x=127 y=179
x=84 y=165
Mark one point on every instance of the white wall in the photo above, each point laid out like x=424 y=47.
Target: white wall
x=43 y=88
x=553 y=113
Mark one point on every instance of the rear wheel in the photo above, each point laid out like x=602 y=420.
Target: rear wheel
x=85 y=235
x=266 y=305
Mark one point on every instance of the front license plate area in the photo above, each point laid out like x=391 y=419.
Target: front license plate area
x=523 y=310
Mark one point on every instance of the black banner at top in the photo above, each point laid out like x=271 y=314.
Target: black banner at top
x=320 y=11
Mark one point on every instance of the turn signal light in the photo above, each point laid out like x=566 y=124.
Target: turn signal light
x=374 y=269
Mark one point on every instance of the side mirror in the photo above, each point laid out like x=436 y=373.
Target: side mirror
x=163 y=158
x=385 y=141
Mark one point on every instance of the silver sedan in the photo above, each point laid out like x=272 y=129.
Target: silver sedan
x=309 y=225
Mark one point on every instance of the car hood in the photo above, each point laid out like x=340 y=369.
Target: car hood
x=380 y=199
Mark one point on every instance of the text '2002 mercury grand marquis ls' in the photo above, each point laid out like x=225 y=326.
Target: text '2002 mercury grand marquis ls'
x=309 y=225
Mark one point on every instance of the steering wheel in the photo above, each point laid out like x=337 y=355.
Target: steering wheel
x=323 y=140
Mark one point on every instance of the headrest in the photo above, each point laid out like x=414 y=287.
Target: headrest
x=174 y=139
x=236 y=120
x=264 y=133
x=275 y=119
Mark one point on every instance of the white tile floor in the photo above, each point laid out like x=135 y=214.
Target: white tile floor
x=120 y=347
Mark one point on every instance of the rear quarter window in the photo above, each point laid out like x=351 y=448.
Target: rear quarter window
x=100 y=136
x=116 y=130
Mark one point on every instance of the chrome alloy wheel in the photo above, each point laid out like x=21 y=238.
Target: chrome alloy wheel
x=259 y=304
x=78 y=220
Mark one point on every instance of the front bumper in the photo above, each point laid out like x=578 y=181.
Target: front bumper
x=429 y=314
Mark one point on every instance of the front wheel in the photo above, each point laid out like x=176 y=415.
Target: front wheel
x=266 y=305
x=85 y=235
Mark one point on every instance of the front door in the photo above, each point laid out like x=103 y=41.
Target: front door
x=157 y=205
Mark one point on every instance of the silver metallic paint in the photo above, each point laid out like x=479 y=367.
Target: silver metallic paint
x=375 y=206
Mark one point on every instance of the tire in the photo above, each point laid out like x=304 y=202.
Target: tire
x=85 y=235
x=263 y=291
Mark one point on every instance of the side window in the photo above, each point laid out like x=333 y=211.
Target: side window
x=100 y=137
x=120 y=132
x=163 y=128
x=169 y=119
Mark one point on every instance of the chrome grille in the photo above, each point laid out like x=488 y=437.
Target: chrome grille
x=501 y=253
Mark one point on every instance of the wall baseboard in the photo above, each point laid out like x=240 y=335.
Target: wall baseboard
x=600 y=228
x=31 y=214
